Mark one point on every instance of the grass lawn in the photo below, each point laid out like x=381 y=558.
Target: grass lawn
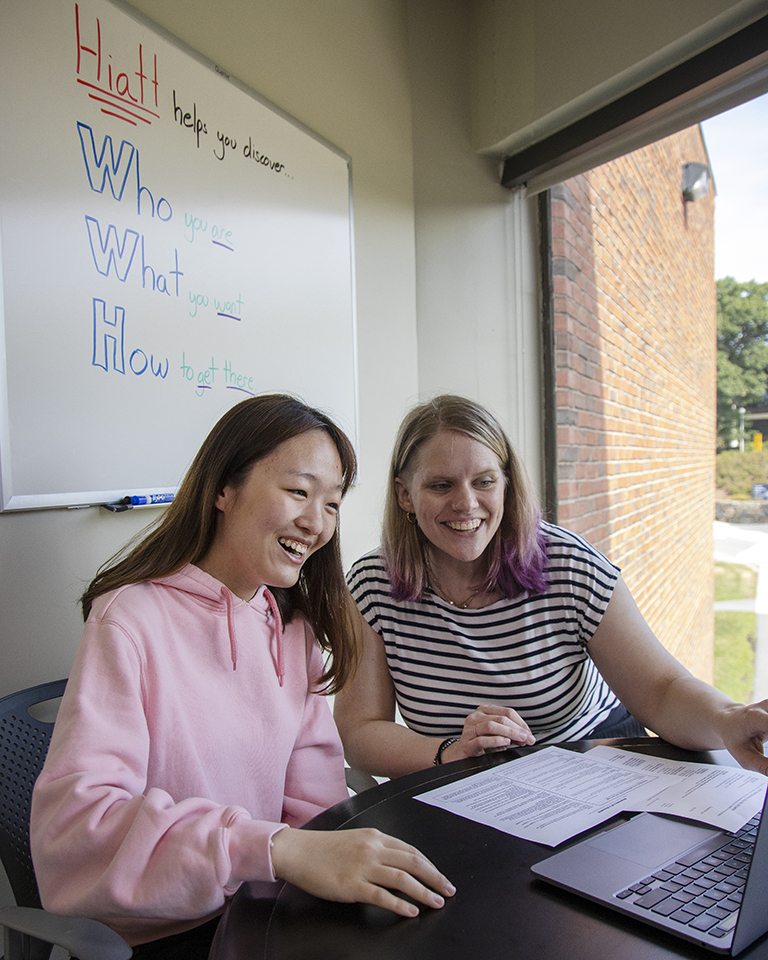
x=735 y=635
x=733 y=581
x=735 y=632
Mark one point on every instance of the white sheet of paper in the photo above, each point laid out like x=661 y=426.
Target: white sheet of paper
x=726 y=797
x=553 y=794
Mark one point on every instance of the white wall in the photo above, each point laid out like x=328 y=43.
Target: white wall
x=341 y=68
x=370 y=76
x=541 y=64
x=395 y=84
x=476 y=281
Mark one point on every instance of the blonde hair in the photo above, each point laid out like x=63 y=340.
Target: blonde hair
x=516 y=555
x=248 y=432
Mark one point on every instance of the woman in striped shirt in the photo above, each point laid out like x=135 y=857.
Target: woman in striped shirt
x=490 y=628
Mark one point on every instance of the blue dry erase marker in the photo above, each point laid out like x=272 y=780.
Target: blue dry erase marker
x=152 y=498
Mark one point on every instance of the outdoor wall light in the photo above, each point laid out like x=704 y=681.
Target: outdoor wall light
x=695 y=180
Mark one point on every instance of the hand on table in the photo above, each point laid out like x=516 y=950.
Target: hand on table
x=488 y=729
x=359 y=866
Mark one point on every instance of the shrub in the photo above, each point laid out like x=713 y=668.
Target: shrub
x=735 y=472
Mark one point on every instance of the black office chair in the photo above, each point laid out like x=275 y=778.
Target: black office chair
x=357 y=781
x=29 y=931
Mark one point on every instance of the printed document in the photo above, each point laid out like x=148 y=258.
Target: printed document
x=553 y=794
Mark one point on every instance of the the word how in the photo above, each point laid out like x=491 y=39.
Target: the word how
x=109 y=346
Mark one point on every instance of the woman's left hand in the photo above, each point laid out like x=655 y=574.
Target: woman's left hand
x=488 y=729
x=361 y=865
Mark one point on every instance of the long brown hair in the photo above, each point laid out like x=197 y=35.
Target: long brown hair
x=248 y=432
x=516 y=555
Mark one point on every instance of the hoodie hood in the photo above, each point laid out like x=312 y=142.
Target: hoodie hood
x=210 y=591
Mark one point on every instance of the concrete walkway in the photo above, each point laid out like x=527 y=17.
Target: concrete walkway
x=748 y=544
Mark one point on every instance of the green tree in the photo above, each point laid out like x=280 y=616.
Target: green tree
x=742 y=351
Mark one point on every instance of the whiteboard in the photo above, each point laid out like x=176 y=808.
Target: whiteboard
x=170 y=243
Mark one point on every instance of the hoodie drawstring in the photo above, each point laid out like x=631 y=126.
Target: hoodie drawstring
x=272 y=604
x=230 y=601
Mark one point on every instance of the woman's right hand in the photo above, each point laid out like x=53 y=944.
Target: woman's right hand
x=359 y=866
x=488 y=729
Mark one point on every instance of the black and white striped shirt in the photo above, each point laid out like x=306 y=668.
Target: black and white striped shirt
x=529 y=653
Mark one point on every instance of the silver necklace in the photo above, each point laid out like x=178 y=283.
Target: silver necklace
x=443 y=596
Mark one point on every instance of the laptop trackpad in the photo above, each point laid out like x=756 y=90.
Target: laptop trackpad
x=649 y=840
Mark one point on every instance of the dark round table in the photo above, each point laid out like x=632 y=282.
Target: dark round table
x=500 y=912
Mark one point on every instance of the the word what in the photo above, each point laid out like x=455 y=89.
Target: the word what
x=110 y=252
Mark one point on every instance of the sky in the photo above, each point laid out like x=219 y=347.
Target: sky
x=737 y=143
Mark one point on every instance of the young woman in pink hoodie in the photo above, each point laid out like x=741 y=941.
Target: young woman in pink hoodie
x=193 y=735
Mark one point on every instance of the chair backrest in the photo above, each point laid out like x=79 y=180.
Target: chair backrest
x=23 y=746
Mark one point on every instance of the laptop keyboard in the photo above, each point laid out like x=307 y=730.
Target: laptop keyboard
x=704 y=888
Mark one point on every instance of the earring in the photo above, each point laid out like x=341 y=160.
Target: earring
x=410 y=517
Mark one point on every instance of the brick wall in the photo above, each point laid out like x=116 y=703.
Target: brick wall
x=635 y=343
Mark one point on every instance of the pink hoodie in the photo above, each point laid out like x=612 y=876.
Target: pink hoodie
x=188 y=734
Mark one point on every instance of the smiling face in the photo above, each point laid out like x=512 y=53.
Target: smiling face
x=456 y=488
x=284 y=511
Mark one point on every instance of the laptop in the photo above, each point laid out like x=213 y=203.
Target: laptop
x=703 y=884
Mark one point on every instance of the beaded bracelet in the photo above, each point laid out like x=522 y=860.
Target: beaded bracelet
x=443 y=746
